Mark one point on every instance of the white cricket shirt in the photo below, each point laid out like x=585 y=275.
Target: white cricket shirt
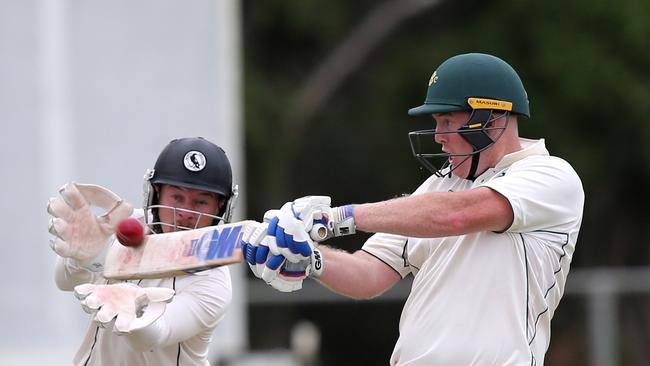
x=181 y=336
x=488 y=298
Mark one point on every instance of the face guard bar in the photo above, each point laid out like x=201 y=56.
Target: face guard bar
x=152 y=220
x=156 y=226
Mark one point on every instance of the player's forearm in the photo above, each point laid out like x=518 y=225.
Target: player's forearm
x=436 y=214
x=175 y=326
x=358 y=275
x=200 y=306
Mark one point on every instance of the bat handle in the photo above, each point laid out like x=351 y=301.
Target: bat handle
x=320 y=232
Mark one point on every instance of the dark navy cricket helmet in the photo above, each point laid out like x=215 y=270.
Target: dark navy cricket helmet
x=194 y=163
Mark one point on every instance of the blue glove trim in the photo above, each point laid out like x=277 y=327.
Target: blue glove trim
x=249 y=253
x=261 y=254
x=275 y=262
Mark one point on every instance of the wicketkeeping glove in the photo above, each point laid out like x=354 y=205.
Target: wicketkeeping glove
x=78 y=232
x=124 y=307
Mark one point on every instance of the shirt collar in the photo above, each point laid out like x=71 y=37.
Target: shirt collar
x=528 y=148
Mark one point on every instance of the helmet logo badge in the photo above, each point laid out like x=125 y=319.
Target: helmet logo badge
x=433 y=78
x=194 y=161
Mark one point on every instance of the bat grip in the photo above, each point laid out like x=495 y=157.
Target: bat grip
x=320 y=232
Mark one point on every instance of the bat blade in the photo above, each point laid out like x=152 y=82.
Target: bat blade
x=177 y=253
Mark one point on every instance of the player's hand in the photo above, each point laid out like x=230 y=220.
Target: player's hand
x=268 y=265
x=311 y=210
x=263 y=263
x=320 y=219
x=78 y=232
x=288 y=236
x=291 y=275
x=124 y=307
x=273 y=269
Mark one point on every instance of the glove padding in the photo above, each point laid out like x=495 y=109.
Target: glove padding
x=289 y=233
x=78 y=232
x=255 y=245
x=291 y=275
x=124 y=307
x=262 y=253
x=311 y=210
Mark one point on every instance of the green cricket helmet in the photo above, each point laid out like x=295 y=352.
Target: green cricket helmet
x=479 y=83
x=476 y=77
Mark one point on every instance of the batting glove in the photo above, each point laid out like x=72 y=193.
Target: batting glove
x=255 y=246
x=123 y=307
x=78 y=232
x=291 y=275
x=288 y=236
x=297 y=222
x=261 y=252
x=315 y=210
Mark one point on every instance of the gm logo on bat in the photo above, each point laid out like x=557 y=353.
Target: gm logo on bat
x=216 y=244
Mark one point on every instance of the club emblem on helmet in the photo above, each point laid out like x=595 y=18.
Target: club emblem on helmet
x=194 y=161
x=433 y=78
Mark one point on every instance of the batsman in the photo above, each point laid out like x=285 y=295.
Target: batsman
x=488 y=237
x=166 y=321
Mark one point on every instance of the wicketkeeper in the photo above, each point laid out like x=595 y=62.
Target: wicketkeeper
x=136 y=322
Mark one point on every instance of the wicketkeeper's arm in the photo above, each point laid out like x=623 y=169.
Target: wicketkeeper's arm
x=199 y=305
x=68 y=274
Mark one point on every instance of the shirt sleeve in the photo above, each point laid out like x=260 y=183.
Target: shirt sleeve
x=545 y=194
x=389 y=248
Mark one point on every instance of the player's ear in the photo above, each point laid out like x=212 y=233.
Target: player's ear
x=157 y=190
x=221 y=201
x=221 y=204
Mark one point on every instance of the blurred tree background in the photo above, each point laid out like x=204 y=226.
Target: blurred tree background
x=585 y=67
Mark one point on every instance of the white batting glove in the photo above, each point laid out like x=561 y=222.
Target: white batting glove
x=287 y=236
x=309 y=209
x=255 y=246
x=275 y=270
x=124 y=307
x=263 y=263
x=78 y=232
x=261 y=253
x=291 y=275
x=317 y=210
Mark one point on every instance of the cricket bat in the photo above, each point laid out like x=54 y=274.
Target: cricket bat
x=177 y=253
x=182 y=252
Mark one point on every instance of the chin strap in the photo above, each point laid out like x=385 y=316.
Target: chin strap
x=474 y=132
x=472 y=170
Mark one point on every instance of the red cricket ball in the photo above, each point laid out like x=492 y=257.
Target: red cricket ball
x=130 y=232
